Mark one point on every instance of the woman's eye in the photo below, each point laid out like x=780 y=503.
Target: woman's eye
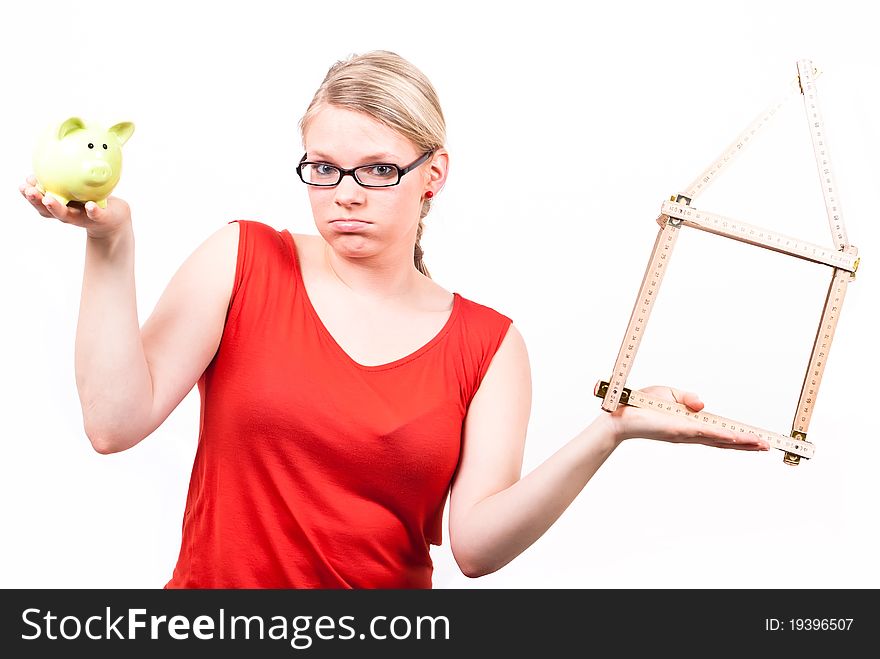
x=382 y=170
x=324 y=170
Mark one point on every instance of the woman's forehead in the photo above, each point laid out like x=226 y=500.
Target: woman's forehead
x=382 y=156
x=338 y=132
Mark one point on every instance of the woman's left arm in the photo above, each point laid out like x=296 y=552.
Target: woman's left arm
x=494 y=514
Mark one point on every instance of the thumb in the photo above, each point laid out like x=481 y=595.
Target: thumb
x=689 y=398
x=93 y=211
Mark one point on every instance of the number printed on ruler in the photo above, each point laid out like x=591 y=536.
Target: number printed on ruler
x=738 y=145
x=823 y=158
x=819 y=358
x=642 y=310
x=754 y=235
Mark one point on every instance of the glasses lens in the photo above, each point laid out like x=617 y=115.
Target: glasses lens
x=377 y=175
x=319 y=174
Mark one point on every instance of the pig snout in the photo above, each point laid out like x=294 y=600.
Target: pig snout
x=96 y=172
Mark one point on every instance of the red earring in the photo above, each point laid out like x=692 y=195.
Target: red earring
x=428 y=194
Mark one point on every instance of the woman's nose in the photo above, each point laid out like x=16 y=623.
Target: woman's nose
x=348 y=191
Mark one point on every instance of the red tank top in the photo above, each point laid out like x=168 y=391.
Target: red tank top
x=312 y=470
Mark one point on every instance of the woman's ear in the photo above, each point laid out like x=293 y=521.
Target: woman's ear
x=438 y=170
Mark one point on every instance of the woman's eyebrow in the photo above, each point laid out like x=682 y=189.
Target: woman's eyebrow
x=374 y=157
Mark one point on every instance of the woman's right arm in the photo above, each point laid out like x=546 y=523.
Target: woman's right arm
x=130 y=378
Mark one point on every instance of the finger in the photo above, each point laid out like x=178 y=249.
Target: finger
x=744 y=447
x=745 y=441
x=730 y=445
x=741 y=440
x=746 y=438
x=35 y=199
x=53 y=206
x=61 y=212
x=95 y=212
x=31 y=179
x=689 y=398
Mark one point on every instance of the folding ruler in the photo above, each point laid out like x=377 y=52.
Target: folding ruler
x=678 y=212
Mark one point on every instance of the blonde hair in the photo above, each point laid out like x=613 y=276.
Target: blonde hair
x=389 y=89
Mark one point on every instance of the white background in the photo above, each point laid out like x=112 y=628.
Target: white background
x=568 y=126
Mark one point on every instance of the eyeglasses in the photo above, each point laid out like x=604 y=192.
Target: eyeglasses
x=375 y=175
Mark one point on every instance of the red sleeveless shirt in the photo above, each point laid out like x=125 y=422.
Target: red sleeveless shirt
x=312 y=470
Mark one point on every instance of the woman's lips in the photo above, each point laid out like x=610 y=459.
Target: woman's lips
x=349 y=224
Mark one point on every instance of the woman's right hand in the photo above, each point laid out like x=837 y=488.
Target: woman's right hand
x=98 y=222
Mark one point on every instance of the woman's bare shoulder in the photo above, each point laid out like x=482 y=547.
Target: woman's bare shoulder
x=306 y=238
x=307 y=247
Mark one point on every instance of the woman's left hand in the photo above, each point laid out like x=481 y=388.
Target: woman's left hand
x=629 y=422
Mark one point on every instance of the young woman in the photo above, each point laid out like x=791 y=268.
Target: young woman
x=344 y=393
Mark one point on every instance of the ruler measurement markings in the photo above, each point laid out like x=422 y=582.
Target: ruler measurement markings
x=820 y=151
x=705 y=179
x=755 y=235
x=821 y=348
x=660 y=255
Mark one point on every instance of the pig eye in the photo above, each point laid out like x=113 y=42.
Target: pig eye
x=91 y=146
x=105 y=146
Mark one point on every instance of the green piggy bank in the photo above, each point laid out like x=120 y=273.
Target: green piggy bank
x=80 y=161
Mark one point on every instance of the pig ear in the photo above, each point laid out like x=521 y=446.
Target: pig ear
x=70 y=125
x=122 y=130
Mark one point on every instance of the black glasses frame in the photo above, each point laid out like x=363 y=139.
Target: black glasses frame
x=351 y=172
